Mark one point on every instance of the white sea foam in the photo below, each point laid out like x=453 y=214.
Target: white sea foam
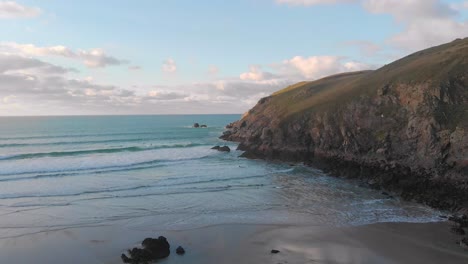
x=100 y=161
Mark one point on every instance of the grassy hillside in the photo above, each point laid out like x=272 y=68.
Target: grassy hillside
x=431 y=66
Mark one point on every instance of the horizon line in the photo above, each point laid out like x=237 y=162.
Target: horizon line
x=91 y=115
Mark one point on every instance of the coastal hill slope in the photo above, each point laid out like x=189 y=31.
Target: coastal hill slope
x=403 y=127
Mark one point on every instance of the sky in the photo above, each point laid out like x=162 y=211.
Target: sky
x=63 y=57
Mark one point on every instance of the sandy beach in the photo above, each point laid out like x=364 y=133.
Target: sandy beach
x=376 y=243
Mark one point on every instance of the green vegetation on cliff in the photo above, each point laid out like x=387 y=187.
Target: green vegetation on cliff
x=434 y=67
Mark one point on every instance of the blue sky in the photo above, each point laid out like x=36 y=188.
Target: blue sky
x=159 y=57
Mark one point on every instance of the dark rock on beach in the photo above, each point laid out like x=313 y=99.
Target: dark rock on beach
x=402 y=128
x=180 y=251
x=152 y=249
x=275 y=251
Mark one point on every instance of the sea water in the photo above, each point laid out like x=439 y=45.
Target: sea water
x=70 y=172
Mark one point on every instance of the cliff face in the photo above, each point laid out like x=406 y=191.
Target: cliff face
x=403 y=127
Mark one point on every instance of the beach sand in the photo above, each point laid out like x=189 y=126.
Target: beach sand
x=376 y=243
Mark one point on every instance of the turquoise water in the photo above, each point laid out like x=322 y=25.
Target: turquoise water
x=69 y=172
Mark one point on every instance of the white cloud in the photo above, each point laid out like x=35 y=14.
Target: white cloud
x=93 y=58
x=319 y=66
x=312 y=2
x=169 y=66
x=255 y=73
x=97 y=58
x=39 y=83
x=164 y=95
x=426 y=22
x=11 y=10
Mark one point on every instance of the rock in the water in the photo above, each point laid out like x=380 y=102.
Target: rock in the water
x=204 y=126
x=224 y=149
x=275 y=251
x=215 y=147
x=153 y=249
x=196 y=125
x=180 y=250
x=458 y=230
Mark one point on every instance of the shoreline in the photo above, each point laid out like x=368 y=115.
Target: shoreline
x=411 y=184
x=248 y=243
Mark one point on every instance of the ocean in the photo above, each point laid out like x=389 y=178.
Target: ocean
x=61 y=173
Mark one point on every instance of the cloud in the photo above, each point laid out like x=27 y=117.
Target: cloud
x=319 y=66
x=426 y=22
x=31 y=84
x=18 y=64
x=169 y=66
x=93 y=58
x=164 y=95
x=312 y=2
x=256 y=74
x=11 y=10
x=97 y=58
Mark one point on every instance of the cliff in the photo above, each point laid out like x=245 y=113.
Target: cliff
x=402 y=128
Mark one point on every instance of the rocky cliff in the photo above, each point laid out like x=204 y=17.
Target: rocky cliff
x=402 y=128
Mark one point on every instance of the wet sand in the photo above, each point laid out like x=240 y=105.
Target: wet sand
x=377 y=243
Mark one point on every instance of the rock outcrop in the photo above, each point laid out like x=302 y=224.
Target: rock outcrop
x=402 y=128
x=152 y=249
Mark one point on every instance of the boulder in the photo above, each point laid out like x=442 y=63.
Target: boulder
x=153 y=249
x=204 y=126
x=216 y=147
x=180 y=250
x=196 y=125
